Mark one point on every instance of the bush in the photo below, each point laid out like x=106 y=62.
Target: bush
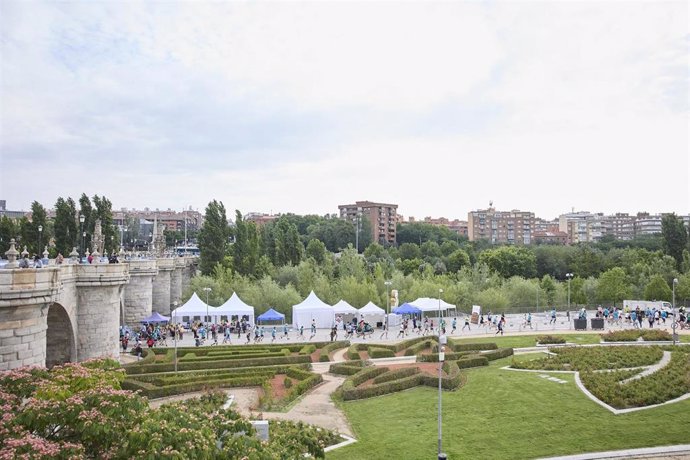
x=396 y=374
x=457 y=346
x=330 y=348
x=352 y=353
x=220 y=364
x=350 y=393
x=348 y=368
x=419 y=347
x=433 y=357
x=452 y=380
x=550 y=339
x=377 y=352
x=498 y=354
x=472 y=361
x=307 y=350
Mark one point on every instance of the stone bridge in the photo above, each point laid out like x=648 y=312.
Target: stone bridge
x=72 y=312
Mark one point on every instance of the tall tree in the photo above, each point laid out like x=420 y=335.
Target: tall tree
x=86 y=229
x=675 y=237
x=246 y=249
x=213 y=237
x=657 y=289
x=104 y=212
x=316 y=250
x=31 y=229
x=66 y=226
x=613 y=285
x=8 y=231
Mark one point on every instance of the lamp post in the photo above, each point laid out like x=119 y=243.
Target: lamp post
x=122 y=237
x=441 y=358
x=175 y=333
x=569 y=276
x=207 y=289
x=388 y=303
x=40 y=231
x=674 y=324
x=83 y=234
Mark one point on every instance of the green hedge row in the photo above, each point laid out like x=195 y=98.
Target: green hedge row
x=351 y=393
x=220 y=364
x=452 y=380
x=396 y=374
x=192 y=357
x=498 y=354
x=330 y=348
x=631 y=335
x=200 y=351
x=550 y=339
x=352 y=354
x=419 y=347
x=461 y=346
x=307 y=349
x=377 y=352
x=472 y=361
x=365 y=374
x=433 y=357
x=152 y=391
x=347 y=368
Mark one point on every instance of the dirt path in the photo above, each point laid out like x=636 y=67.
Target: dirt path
x=317 y=408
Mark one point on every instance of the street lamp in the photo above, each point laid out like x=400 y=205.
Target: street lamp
x=122 y=236
x=40 y=231
x=441 y=358
x=388 y=303
x=83 y=234
x=569 y=276
x=675 y=320
x=207 y=289
x=175 y=333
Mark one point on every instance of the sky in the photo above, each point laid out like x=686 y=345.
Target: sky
x=439 y=107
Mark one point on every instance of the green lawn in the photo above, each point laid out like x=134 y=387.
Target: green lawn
x=504 y=414
x=523 y=341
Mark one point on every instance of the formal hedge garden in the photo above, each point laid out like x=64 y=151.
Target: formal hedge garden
x=594 y=358
x=632 y=335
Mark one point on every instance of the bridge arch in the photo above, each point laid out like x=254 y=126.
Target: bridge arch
x=61 y=344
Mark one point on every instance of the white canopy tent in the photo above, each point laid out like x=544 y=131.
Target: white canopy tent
x=373 y=313
x=428 y=305
x=344 y=308
x=194 y=307
x=235 y=307
x=313 y=308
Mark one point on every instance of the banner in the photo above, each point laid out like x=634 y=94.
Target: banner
x=476 y=311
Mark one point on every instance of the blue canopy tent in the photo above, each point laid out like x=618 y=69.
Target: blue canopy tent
x=407 y=309
x=271 y=315
x=156 y=318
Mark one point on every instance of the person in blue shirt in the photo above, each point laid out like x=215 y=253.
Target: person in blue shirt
x=553 y=316
x=273 y=334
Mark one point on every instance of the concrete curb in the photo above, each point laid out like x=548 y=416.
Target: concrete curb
x=679 y=449
x=348 y=440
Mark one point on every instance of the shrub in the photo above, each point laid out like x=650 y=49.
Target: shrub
x=350 y=393
x=377 y=352
x=348 y=368
x=498 y=354
x=352 y=353
x=609 y=357
x=452 y=380
x=472 y=361
x=331 y=347
x=550 y=339
x=433 y=357
x=396 y=374
x=220 y=364
x=461 y=346
x=419 y=347
x=307 y=350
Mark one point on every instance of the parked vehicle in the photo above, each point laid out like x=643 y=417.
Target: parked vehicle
x=653 y=304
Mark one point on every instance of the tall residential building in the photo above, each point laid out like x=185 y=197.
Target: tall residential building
x=383 y=218
x=456 y=225
x=620 y=225
x=260 y=218
x=171 y=219
x=512 y=227
x=582 y=226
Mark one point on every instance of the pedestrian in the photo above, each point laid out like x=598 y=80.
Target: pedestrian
x=301 y=331
x=59 y=259
x=467 y=324
x=553 y=316
x=455 y=325
x=500 y=328
x=313 y=329
x=285 y=331
x=273 y=334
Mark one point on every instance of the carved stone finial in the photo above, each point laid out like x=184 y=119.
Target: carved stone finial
x=74 y=255
x=25 y=252
x=12 y=254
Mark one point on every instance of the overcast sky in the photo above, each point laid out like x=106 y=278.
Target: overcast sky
x=299 y=107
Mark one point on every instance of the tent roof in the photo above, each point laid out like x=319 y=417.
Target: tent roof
x=270 y=315
x=156 y=318
x=407 y=308
x=343 y=307
x=428 y=304
x=235 y=305
x=312 y=302
x=193 y=305
x=371 y=309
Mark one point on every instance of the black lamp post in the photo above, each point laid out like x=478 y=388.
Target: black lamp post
x=83 y=234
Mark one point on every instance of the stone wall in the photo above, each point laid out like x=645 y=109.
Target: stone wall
x=138 y=296
x=161 y=286
x=60 y=341
x=176 y=283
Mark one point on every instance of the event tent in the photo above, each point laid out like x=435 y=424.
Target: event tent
x=271 y=315
x=193 y=307
x=235 y=307
x=373 y=313
x=407 y=309
x=432 y=305
x=312 y=308
x=156 y=318
x=344 y=308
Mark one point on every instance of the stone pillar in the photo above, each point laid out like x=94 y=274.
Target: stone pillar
x=139 y=292
x=191 y=264
x=98 y=300
x=161 y=286
x=25 y=295
x=176 y=282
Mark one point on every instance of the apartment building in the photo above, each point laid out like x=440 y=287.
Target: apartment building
x=582 y=226
x=382 y=216
x=456 y=225
x=260 y=218
x=171 y=219
x=511 y=227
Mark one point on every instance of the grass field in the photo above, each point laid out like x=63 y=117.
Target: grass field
x=504 y=415
x=524 y=341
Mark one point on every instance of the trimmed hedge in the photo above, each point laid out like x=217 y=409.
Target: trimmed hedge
x=456 y=346
x=152 y=391
x=220 y=364
x=307 y=350
x=410 y=342
x=472 y=361
x=550 y=339
x=377 y=352
x=350 y=393
x=352 y=353
x=433 y=357
x=631 y=335
x=347 y=368
x=419 y=347
x=396 y=374
x=333 y=346
x=498 y=354
x=454 y=378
